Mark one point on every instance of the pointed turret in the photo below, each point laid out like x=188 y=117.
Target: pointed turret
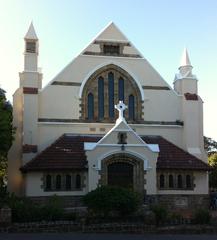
x=31 y=35
x=185 y=61
x=185 y=84
x=185 y=81
x=31 y=50
x=31 y=61
x=185 y=68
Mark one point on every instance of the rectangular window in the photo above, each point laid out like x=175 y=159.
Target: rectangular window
x=111 y=50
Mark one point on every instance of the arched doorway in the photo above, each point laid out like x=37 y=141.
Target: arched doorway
x=124 y=170
x=120 y=174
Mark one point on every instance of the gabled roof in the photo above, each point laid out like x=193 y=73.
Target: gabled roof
x=111 y=32
x=67 y=153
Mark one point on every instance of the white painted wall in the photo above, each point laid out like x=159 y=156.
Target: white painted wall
x=201 y=185
x=34 y=187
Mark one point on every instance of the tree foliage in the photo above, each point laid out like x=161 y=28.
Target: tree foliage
x=213 y=174
x=210 y=145
x=6 y=133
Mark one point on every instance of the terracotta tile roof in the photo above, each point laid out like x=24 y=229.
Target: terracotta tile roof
x=67 y=153
x=191 y=96
x=173 y=157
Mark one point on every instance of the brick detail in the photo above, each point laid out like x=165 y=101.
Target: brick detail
x=156 y=87
x=30 y=148
x=30 y=90
x=76 y=84
x=191 y=96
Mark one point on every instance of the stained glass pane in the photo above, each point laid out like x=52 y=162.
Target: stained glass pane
x=111 y=94
x=90 y=106
x=101 y=97
x=131 y=107
x=121 y=89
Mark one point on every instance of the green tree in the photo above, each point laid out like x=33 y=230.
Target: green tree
x=213 y=174
x=210 y=145
x=6 y=133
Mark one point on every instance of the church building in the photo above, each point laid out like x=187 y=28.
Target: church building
x=108 y=118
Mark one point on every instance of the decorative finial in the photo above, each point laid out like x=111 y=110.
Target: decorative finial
x=121 y=107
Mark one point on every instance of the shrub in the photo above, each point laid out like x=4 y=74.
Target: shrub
x=175 y=218
x=53 y=210
x=201 y=216
x=108 y=201
x=160 y=213
x=24 y=210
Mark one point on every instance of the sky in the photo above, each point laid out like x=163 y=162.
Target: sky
x=160 y=29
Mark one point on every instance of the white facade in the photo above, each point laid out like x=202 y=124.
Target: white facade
x=42 y=115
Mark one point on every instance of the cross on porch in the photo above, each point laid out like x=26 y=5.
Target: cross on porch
x=121 y=107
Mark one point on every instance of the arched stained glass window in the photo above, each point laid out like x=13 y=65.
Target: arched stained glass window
x=90 y=106
x=131 y=107
x=162 y=181
x=101 y=98
x=121 y=89
x=188 y=181
x=111 y=94
x=48 y=182
x=68 y=182
x=58 y=182
x=171 y=181
x=78 y=181
x=180 y=184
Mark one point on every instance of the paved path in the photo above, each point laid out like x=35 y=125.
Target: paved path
x=80 y=236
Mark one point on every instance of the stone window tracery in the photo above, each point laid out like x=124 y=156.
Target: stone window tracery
x=63 y=182
x=104 y=89
x=175 y=180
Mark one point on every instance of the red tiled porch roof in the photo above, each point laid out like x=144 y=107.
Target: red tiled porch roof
x=67 y=153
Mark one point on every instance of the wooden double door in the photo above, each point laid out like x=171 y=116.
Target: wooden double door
x=120 y=174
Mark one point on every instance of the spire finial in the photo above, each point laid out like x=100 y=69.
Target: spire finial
x=31 y=35
x=185 y=61
x=121 y=107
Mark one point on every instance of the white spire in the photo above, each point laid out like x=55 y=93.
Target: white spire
x=31 y=33
x=185 y=61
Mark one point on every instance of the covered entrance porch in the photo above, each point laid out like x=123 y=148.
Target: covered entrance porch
x=123 y=170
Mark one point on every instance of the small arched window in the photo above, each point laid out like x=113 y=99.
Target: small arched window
x=131 y=107
x=180 y=184
x=48 y=182
x=171 y=181
x=101 y=98
x=111 y=94
x=90 y=106
x=121 y=89
x=188 y=181
x=68 y=182
x=162 y=181
x=78 y=181
x=58 y=182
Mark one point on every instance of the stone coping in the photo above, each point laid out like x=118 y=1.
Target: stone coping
x=71 y=226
